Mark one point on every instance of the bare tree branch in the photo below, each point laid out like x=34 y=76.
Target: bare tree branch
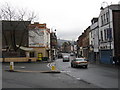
x=10 y=14
x=32 y=16
x=7 y=12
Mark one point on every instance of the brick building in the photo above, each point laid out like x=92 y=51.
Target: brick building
x=14 y=33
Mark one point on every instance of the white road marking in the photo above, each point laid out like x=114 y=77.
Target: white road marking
x=78 y=78
x=65 y=71
x=49 y=65
x=22 y=67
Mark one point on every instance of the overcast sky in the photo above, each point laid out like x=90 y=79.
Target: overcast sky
x=69 y=17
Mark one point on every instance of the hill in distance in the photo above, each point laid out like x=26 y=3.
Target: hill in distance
x=61 y=41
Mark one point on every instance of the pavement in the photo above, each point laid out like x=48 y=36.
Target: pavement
x=29 y=67
x=105 y=65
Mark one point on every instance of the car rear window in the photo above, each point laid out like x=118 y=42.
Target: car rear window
x=79 y=59
x=65 y=56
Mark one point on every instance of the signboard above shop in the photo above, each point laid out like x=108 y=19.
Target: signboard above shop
x=36 y=45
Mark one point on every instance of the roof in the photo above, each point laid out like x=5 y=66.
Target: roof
x=115 y=7
x=95 y=19
x=37 y=25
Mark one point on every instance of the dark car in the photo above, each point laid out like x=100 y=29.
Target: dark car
x=79 y=62
x=71 y=54
x=60 y=55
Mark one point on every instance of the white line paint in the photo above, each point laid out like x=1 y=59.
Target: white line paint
x=48 y=65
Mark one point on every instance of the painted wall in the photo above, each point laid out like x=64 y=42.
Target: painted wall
x=105 y=44
x=94 y=36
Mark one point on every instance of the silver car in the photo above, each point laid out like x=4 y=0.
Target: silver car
x=79 y=62
x=66 y=59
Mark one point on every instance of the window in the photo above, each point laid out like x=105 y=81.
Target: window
x=109 y=33
x=107 y=17
x=102 y=20
x=91 y=43
x=105 y=34
x=101 y=35
x=91 y=34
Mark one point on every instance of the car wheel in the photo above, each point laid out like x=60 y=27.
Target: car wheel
x=86 y=66
x=74 y=66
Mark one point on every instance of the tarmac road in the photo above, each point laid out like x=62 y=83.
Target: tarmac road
x=37 y=79
x=100 y=75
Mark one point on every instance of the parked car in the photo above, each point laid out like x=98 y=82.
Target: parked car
x=66 y=59
x=79 y=62
x=71 y=54
x=60 y=55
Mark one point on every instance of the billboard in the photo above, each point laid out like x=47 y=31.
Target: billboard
x=36 y=38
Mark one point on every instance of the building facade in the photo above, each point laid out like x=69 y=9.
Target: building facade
x=107 y=33
x=54 y=45
x=86 y=43
x=79 y=46
x=116 y=34
x=14 y=33
x=39 y=39
x=0 y=40
x=104 y=37
x=94 y=40
x=83 y=44
x=66 y=47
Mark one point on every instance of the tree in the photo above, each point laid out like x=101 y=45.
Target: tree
x=8 y=13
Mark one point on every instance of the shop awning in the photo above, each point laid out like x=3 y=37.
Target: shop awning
x=25 y=48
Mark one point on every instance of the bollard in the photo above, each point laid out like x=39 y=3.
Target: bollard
x=11 y=66
x=53 y=68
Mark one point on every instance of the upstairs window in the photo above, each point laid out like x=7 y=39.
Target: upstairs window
x=107 y=17
x=102 y=20
x=101 y=35
x=105 y=34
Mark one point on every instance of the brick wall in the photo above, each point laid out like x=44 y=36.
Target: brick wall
x=116 y=28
